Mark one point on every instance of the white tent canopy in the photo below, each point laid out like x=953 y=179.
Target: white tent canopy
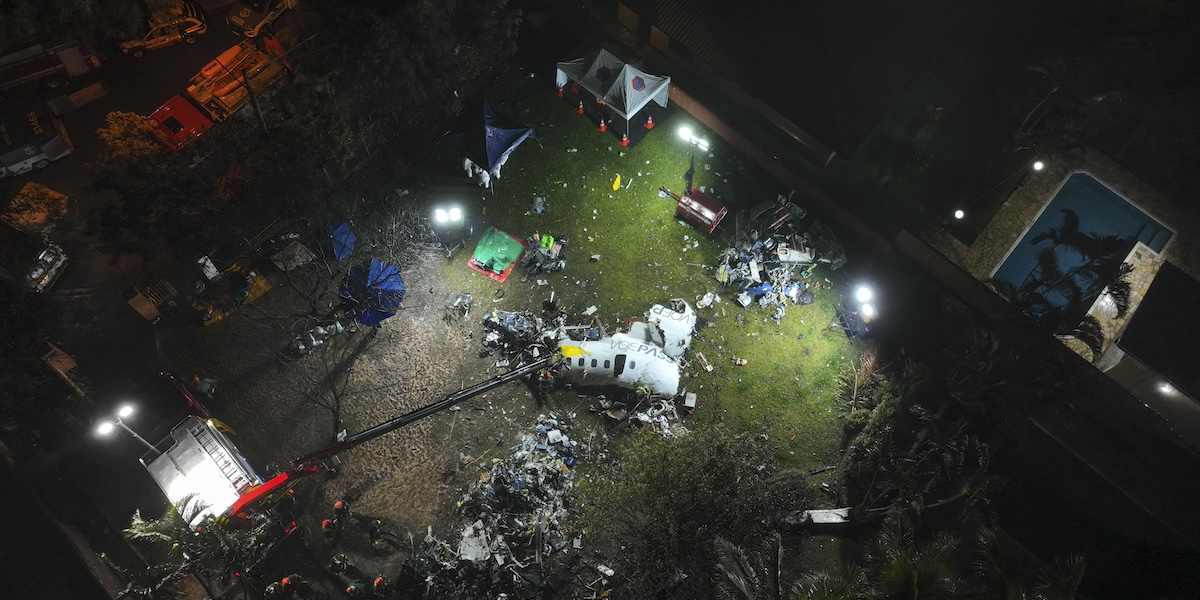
x=624 y=88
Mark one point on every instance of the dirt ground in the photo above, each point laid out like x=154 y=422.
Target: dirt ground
x=411 y=478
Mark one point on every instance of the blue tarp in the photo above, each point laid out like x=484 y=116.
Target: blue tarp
x=488 y=142
x=342 y=239
x=373 y=292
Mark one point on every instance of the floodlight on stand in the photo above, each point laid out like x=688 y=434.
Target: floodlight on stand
x=686 y=133
x=959 y=214
x=1038 y=165
x=863 y=294
x=456 y=214
x=868 y=312
x=440 y=215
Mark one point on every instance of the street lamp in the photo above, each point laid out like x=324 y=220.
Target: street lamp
x=694 y=143
x=106 y=427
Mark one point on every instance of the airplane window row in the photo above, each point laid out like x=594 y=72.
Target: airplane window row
x=607 y=364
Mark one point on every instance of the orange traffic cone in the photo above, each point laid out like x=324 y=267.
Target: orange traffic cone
x=560 y=92
x=625 y=140
x=649 y=122
x=580 y=108
x=603 y=126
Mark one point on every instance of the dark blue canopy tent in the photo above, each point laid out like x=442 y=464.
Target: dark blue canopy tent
x=373 y=292
x=489 y=142
x=342 y=239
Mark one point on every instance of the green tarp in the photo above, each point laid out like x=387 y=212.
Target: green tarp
x=497 y=250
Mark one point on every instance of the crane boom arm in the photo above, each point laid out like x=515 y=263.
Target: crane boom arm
x=305 y=465
x=420 y=413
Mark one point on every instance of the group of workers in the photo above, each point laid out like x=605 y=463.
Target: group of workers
x=294 y=586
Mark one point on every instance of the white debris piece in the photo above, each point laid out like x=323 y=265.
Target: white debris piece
x=474 y=544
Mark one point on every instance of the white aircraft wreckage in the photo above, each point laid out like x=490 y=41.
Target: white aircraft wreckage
x=642 y=358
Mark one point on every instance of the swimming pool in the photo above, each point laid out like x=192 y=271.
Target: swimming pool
x=1101 y=211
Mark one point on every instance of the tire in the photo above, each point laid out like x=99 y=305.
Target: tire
x=140 y=52
x=41 y=164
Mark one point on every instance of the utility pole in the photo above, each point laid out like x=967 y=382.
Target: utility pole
x=254 y=100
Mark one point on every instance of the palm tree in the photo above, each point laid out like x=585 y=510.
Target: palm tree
x=905 y=568
x=185 y=548
x=848 y=583
x=754 y=576
x=1006 y=570
x=156 y=582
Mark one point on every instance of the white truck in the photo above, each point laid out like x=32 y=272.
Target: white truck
x=31 y=138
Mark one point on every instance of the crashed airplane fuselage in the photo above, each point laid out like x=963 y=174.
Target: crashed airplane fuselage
x=643 y=358
x=619 y=360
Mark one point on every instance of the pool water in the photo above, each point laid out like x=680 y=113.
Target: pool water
x=1101 y=211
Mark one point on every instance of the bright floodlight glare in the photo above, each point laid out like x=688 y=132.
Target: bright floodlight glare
x=1038 y=165
x=125 y=411
x=702 y=144
x=686 y=133
x=104 y=428
x=1165 y=388
x=863 y=294
x=456 y=214
x=867 y=311
x=440 y=215
x=958 y=214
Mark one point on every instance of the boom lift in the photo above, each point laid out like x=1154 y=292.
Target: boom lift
x=275 y=488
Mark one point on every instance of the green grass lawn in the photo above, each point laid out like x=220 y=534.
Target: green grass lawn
x=647 y=257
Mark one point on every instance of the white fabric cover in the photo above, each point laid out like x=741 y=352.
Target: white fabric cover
x=624 y=88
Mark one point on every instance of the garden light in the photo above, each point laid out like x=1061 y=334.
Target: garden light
x=1038 y=165
x=958 y=214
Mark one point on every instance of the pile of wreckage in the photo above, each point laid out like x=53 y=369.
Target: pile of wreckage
x=513 y=515
x=770 y=262
x=544 y=253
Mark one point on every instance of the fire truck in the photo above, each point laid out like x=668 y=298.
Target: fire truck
x=31 y=138
x=37 y=65
x=203 y=464
x=218 y=92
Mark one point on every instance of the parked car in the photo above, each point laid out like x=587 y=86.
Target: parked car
x=174 y=27
x=29 y=261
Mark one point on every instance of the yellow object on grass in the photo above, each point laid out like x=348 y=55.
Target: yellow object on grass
x=617 y=183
